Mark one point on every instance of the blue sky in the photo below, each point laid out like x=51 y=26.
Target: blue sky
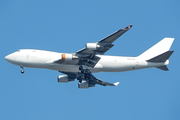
x=65 y=26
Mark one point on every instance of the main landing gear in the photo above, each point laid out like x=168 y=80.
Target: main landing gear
x=85 y=74
x=22 y=69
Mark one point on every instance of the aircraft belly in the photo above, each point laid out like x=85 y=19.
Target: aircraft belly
x=71 y=68
x=64 y=67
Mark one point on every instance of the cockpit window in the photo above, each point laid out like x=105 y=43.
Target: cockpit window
x=18 y=51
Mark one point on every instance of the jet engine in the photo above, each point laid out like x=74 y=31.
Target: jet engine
x=67 y=57
x=64 y=79
x=85 y=84
x=92 y=46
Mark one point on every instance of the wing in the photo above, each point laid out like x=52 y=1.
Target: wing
x=88 y=79
x=95 y=80
x=104 y=44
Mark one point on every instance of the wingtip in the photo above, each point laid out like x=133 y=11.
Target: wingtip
x=117 y=83
x=128 y=27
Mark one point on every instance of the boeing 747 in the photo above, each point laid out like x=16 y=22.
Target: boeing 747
x=81 y=64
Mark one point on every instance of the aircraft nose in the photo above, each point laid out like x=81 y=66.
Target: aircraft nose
x=10 y=57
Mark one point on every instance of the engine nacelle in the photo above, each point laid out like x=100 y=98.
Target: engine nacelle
x=92 y=46
x=67 y=57
x=64 y=78
x=85 y=84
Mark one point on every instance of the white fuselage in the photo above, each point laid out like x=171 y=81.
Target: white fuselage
x=45 y=59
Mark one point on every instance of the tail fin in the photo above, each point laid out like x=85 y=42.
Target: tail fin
x=159 y=50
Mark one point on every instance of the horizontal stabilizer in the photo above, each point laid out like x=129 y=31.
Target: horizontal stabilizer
x=162 y=57
x=163 y=68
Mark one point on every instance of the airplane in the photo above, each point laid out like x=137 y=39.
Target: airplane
x=91 y=59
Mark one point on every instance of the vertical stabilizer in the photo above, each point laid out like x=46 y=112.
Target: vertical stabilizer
x=158 y=49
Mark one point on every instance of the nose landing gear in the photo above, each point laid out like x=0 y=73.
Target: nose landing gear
x=22 y=69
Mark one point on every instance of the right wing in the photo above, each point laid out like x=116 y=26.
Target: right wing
x=88 y=78
x=95 y=80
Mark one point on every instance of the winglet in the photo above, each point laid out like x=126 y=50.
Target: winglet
x=117 y=83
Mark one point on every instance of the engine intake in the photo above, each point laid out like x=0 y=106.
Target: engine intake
x=92 y=46
x=85 y=84
x=64 y=79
